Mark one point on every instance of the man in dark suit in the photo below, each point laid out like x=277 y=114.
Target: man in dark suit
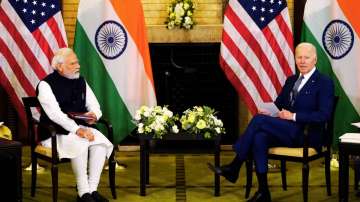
x=305 y=97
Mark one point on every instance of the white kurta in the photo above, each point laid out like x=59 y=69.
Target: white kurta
x=70 y=145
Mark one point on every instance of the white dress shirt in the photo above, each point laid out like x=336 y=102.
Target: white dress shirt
x=306 y=78
x=303 y=82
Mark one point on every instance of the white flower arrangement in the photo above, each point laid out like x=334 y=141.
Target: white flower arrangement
x=202 y=120
x=157 y=121
x=180 y=14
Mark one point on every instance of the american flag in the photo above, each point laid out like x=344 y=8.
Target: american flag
x=30 y=33
x=257 y=49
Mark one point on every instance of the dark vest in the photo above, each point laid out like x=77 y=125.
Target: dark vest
x=71 y=96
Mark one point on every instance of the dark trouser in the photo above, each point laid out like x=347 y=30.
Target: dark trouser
x=264 y=132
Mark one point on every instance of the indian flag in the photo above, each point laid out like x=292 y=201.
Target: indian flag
x=334 y=28
x=111 y=44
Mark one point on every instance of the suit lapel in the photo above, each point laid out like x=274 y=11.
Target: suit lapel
x=309 y=83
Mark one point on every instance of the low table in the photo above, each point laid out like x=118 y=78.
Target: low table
x=145 y=153
x=10 y=170
x=345 y=150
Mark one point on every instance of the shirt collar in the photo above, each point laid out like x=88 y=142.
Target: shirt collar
x=308 y=75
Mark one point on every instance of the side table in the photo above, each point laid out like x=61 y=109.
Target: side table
x=345 y=150
x=145 y=153
x=10 y=170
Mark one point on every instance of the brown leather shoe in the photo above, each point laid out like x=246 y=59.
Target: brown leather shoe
x=226 y=171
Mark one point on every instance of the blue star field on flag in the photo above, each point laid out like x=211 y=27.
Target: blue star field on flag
x=34 y=13
x=263 y=11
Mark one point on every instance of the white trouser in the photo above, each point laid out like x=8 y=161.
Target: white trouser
x=71 y=145
x=94 y=159
x=77 y=149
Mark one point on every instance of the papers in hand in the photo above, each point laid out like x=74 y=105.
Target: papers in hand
x=81 y=116
x=269 y=108
x=350 y=138
x=1 y=123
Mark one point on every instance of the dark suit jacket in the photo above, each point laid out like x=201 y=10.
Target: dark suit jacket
x=313 y=104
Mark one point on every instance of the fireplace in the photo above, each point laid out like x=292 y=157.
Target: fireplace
x=188 y=74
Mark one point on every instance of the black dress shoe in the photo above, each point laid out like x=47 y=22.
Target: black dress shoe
x=261 y=197
x=85 y=198
x=226 y=171
x=98 y=198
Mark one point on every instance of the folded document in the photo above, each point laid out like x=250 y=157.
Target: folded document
x=350 y=138
x=356 y=124
x=269 y=108
x=81 y=116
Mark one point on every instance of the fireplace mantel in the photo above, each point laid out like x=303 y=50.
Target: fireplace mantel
x=199 y=34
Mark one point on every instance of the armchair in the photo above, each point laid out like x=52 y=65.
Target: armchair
x=50 y=154
x=302 y=155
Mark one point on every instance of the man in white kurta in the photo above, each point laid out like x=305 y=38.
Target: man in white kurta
x=65 y=91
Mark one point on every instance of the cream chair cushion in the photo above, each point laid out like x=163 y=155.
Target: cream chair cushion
x=43 y=150
x=288 y=151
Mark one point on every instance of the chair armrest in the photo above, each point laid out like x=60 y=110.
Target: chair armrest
x=52 y=131
x=50 y=128
x=109 y=128
x=31 y=128
x=307 y=127
x=306 y=140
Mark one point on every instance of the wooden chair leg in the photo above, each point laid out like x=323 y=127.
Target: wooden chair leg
x=54 y=176
x=356 y=181
x=112 y=164
x=249 y=168
x=33 y=174
x=147 y=165
x=283 y=174
x=357 y=174
x=327 y=174
x=142 y=168
x=305 y=181
x=217 y=164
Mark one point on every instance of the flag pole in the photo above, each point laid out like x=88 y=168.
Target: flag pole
x=299 y=6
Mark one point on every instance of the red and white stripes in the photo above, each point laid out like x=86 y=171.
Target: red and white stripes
x=257 y=62
x=24 y=56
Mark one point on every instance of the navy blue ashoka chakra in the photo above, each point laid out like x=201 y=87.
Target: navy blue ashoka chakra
x=111 y=39
x=338 y=39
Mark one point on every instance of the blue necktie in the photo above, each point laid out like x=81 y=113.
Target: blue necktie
x=295 y=90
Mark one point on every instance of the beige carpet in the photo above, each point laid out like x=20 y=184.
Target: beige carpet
x=178 y=178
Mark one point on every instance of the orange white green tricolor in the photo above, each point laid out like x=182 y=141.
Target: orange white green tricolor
x=333 y=26
x=111 y=44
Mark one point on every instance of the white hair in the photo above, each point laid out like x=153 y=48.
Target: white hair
x=59 y=56
x=309 y=45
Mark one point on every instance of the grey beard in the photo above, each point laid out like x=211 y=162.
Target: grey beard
x=72 y=76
